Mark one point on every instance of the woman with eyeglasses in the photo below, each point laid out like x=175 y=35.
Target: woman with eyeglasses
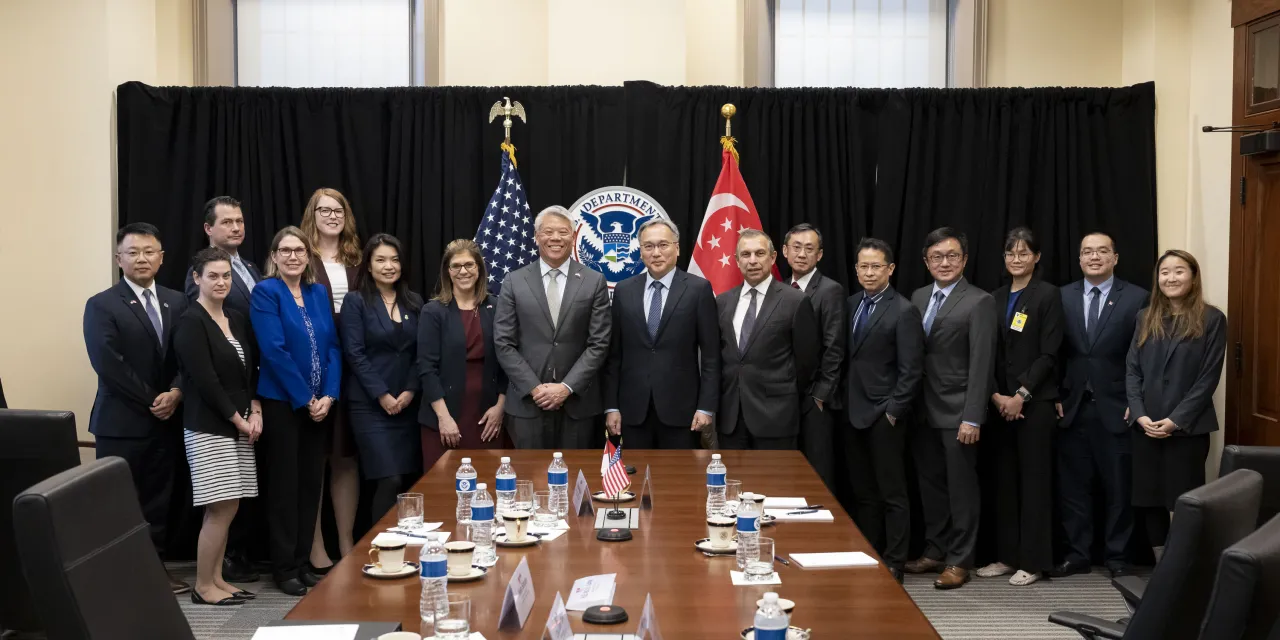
x=463 y=387
x=1173 y=368
x=1019 y=436
x=298 y=380
x=380 y=342
x=330 y=225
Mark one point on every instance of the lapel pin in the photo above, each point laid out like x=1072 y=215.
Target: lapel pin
x=1110 y=302
x=166 y=305
x=133 y=302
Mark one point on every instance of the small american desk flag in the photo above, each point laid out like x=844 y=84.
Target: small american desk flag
x=505 y=234
x=613 y=471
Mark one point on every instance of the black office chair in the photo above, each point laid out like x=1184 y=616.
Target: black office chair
x=1264 y=460
x=88 y=557
x=1246 y=596
x=1206 y=521
x=34 y=445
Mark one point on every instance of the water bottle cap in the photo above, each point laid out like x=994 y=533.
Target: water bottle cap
x=481 y=486
x=557 y=455
x=466 y=461
x=749 y=496
x=771 y=597
x=505 y=460
x=715 y=456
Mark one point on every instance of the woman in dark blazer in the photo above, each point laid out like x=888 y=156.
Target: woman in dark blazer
x=1020 y=433
x=221 y=419
x=462 y=384
x=380 y=342
x=1173 y=369
x=298 y=381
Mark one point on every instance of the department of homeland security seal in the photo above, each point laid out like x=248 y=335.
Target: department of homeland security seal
x=607 y=230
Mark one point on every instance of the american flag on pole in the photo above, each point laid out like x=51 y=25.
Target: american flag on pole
x=728 y=213
x=612 y=469
x=505 y=234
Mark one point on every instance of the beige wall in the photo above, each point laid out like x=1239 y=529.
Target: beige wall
x=1034 y=43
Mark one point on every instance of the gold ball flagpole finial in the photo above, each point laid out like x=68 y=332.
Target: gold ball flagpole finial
x=728 y=110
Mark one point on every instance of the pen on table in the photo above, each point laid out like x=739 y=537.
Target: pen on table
x=802 y=512
x=782 y=560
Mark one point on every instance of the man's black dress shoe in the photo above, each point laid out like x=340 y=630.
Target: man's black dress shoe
x=896 y=573
x=307 y=578
x=196 y=598
x=236 y=569
x=1069 y=568
x=292 y=586
x=1120 y=570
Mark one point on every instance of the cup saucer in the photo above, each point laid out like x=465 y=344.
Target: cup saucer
x=793 y=633
x=704 y=545
x=476 y=573
x=406 y=570
x=501 y=541
x=768 y=520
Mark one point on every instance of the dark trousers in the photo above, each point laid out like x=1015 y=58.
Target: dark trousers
x=551 y=430
x=882 y=509
x=294 y=455
x=817 y=441
x=1087 y=451
x=654 y=434
x=152 y=461
x=742 y=438
x=1024 y=486
x=950 y=496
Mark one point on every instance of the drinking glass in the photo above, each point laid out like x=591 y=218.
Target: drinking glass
x=453 y=620
x=409 y=510
x=524 y=496
x=732 y=493
x=761 y=569
x=543 y=514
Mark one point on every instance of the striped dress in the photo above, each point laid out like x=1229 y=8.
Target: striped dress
x=222 y=468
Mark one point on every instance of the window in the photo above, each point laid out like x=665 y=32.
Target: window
x=325 y=43
x=860 y=43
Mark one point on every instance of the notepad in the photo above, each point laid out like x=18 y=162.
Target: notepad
x=836 y=559
x=821 y=515
x=785 y=503
x=309 y=632
x=412 y=541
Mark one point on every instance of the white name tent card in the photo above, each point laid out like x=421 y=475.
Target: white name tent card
x=558 y=622
x=518 y=600
x=581 y=492
x=647 y=628
x=591 y=591
x=836 y=559
x=646 y=490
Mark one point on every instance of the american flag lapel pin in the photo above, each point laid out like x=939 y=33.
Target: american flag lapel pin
x=133 y=302
x=1110 y=302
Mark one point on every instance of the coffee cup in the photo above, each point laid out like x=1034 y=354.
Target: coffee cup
x=720 y=531
x=459 y=554
x=516 y=524
x=388 y=555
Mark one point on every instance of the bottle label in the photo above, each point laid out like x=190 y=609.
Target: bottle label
x=770 y=634
x=748 y=524
x=481 y=514
x=435 y=568
x=506 y=484
x=715 y=479
x=555 y=478
x=466 y=484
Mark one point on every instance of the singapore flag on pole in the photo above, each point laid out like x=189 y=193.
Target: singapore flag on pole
x=729 y=212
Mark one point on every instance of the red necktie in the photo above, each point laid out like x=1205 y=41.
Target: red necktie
x=795 y=285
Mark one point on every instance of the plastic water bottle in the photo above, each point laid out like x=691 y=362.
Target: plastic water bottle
x=465 y=482
x=771 y=621
x=505 y=488
x=482 y=524
x=434 y=578
x=558 y=481
x=715 y=486
x=748 y=531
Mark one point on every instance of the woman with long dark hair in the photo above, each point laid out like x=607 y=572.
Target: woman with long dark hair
x=380 y=342
x=1174 y=366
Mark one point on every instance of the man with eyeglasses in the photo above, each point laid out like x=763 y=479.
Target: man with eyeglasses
x=959 y=352
x=882 y=378
x=802 y=247
x=1101 y=312
x=128 y=332
x=658 y=393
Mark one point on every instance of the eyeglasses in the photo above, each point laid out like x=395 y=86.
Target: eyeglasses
x=870 y=268
x=560 y=234
x=297 y=252
x=132 y=254
x=327 y=212
x=804 y=249
x=942 y=258
x=466 y=266
x=1020 y=256
x=1100 y=253
x=663 y=246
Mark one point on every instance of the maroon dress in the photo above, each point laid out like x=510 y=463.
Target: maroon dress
x=468 y=418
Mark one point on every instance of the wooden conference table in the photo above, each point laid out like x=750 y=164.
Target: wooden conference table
x=692 y=594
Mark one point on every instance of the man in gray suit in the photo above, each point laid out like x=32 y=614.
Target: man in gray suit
x=551 y=332
x=802 y=247
x=769 y=351
x=960 y=343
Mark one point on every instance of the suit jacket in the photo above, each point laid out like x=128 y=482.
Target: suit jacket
x=133 y=364
x=1099 y=363
x=828 y=299
x=883 y=368
x=1028 y=358
x=442 y=360
x=533 y=351
x=666 y=369
x=958 y=356
x=285 y=347
x=215 y=383
x=238 y=298
x=381 y=356
x=1175 y=378
x=766 y=380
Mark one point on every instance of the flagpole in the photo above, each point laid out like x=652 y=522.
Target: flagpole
x=727 y=140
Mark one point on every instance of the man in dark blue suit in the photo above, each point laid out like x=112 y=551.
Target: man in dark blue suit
x=659 y=393
x=224 y=224
x=1101 y=313
x=128 y=332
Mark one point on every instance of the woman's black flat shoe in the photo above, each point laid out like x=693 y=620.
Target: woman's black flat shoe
x=225 y=602
x=318 y=571
x=244 y=595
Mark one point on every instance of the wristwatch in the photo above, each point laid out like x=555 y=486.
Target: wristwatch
x=1026 y=395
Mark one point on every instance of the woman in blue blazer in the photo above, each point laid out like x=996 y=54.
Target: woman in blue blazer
x=299 y=379
x=380 y=341
x=463 y=386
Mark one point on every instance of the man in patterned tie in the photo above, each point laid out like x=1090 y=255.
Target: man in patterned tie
x=128 y=332
x=769 y=350
x=659 y=394
x=960 y=344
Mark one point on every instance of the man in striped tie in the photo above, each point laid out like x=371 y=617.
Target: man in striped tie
x=656 y=388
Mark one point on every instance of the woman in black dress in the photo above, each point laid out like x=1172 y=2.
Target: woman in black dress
x=380 y=343
x=463 y=386
x=1173 y=369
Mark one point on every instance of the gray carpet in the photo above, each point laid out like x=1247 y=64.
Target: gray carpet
x=985 y=608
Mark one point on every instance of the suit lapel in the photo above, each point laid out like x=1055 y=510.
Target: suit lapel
x=673 y=299
x=166 y=322
x=726 y=316
x=572 y=282
x=1074 y=308
x=878 y=312
x=237 y=282
x=139 y=310
x=813 y=285
x=533 y=276
x=1002 y=296
x=1117 y=290
x=637 y=298
x=951 y=301
x=771 y=298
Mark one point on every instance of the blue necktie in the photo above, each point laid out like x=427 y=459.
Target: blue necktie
x=655 y=310
x=154 y=315
x=239 y=266
x=860 y=325
x=1091 y=326
x=933 y=311
x=748 y=323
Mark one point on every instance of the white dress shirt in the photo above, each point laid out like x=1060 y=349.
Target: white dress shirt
x=744 y=301
x=1105 y=290
x=562 y=279
x=648 y=291
x=337 y=273
x=142 y=300
x=804 y=280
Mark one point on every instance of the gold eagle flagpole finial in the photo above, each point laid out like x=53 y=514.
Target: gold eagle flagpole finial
x=727 y=140
x=506 y=111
